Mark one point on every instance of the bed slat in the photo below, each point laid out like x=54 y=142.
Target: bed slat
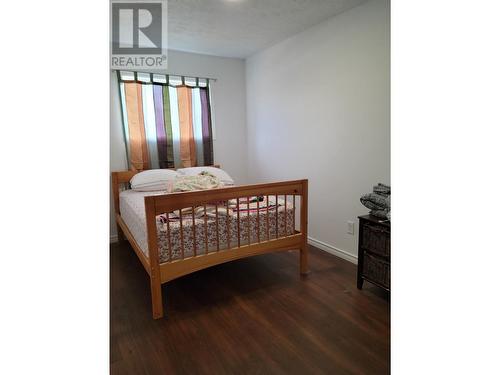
x=228 y=227
x=277 y=212
x=170 y=252
x=258 y=220
x=194 y=231
x=238 y=219
x=267 y=217
x=182 y=234
x=206 y=227
x=217 y=225
x=248 y=219
x=286 y=233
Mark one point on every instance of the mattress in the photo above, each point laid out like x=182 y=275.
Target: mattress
x=251 y=229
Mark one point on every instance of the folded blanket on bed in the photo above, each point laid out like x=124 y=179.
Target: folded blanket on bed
x=207 y=181
x=203 y=181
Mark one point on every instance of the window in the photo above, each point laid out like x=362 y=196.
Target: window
x=166 y=120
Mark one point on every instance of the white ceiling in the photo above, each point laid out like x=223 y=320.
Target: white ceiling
x=239 y=28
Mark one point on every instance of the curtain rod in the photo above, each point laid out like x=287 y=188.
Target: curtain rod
x=165 y=74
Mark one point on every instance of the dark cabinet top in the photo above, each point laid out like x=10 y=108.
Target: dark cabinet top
x=375 y=220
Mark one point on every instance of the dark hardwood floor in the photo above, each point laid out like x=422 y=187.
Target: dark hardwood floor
x=250 y=316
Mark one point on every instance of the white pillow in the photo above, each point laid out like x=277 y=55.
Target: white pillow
x=221 y=174
x=159 y=186
x=154 y=180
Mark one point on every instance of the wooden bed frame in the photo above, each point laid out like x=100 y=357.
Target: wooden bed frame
x=160 y=273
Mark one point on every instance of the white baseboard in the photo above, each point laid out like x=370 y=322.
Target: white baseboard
x=333 y=250
x=113 y=238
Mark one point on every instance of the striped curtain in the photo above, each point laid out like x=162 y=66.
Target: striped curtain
x=166 y=125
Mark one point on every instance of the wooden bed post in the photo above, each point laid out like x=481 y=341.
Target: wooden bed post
x=116 y=203
x=154 y=258
x=304 y=250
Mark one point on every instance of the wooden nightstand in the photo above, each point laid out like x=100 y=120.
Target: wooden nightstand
x=374 y=252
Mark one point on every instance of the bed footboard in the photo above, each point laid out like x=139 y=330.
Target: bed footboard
x=191 y=242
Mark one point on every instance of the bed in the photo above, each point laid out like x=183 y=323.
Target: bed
x=176 y=234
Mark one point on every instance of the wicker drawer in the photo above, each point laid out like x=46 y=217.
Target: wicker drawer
x=376 y=270
x=376 y=239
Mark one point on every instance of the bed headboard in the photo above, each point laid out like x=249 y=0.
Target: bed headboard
x=120 y=181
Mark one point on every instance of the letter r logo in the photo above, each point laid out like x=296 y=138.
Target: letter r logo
x=137 y=28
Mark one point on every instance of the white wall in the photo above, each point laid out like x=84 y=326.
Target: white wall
x=228 y=103
x=318 y=108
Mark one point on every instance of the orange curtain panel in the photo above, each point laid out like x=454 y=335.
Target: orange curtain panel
x=139 y=156
x=187 y=144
